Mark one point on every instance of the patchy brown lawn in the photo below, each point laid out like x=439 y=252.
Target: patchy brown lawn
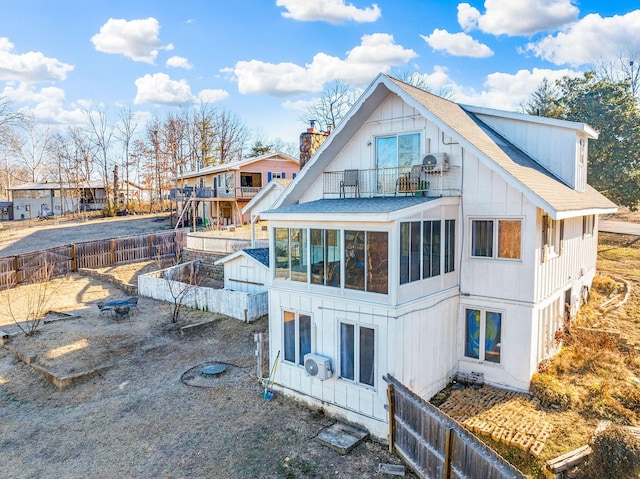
x=595 y=377
x=138 y=417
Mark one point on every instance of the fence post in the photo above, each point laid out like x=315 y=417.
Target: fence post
x=448 y=453
x=74 y=259
x=150 y=244
x=392 y=412
x=112 y=249
x=16 y=269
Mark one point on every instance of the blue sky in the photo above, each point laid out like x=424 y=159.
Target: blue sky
x=266 y=60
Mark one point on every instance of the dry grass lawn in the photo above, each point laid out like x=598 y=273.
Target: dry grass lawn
x=141 y=415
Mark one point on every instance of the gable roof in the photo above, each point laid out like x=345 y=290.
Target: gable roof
x=517 y=168
x=257 y=201
x=236 y=165
x=260 y=255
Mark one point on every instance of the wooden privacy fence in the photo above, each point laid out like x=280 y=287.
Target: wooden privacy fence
x=41 y=265
x=436 y=446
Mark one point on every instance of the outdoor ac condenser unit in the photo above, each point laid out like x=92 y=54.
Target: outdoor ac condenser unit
x=317 y=366
x=436 y=162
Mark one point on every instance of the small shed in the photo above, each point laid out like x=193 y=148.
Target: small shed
x=6 y=210
x=246 y=270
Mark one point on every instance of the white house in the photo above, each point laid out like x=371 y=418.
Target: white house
x=426 y=238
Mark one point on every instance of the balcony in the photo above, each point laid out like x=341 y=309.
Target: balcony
x=240 y=192
x=417 y=180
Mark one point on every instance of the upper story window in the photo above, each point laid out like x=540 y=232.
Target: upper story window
x=325 y=257
x=421 y=248
x=582 y=151
x=496 y=239
x=366 y=261
x=588 y=223
x=398 y=150
x=552 y=237
x=291 y=254
x=364 y=257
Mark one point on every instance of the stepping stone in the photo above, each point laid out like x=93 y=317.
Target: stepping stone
x=341 y=438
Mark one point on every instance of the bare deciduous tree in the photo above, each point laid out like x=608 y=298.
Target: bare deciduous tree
x=36 y=304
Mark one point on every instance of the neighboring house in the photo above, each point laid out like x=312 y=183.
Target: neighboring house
x=247 y=270
x=424 y=239
x=32 y=200
x=222 y=191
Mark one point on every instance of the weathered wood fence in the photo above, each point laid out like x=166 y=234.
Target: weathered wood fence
x=61 y=260
x=434 y=445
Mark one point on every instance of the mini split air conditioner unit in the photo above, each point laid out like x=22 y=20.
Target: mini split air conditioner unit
x=317 y=366
x=436 y=162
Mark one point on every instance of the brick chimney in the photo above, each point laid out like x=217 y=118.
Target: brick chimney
x=310 y=141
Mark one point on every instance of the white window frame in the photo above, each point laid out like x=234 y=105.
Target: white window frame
x=397 y=156
x=298 y=355
x=495 y=247
x=356 y=353
x=552 y=237
x=482 y=339
x=588 y=225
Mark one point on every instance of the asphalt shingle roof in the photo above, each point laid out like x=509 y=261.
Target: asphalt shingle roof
x=512 y=160
x=355 y=205
x=259 y=254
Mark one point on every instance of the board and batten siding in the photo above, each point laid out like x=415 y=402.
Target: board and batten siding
x=417 y=344
x=245 y=275
x=554 y=148
x=392 y=117
x=574 y=267
x=488 y=197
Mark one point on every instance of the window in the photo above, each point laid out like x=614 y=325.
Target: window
x=398 y=150
x=483 y=335
x=366 y=261
x=297 y=336
x=325 y=257
x=365 y=256
x=291 y=254
x=496 y=238
x=582 y=151
x=588 y=222
x=421 y=249
x=449 y=245
x=357 y=353
x=552 y=237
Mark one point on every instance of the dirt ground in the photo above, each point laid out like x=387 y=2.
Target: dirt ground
x=148 y=412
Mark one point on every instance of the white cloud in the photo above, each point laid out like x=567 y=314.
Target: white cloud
x=468 y=17
x=591 y=40
x=46 y=104
x=136 y=39
x=160 y=89
x=376 y=53
x=332 y=11
x=518 y=17
x=30 y=66
x=506 y=91
x=179 y=62
x=211 y=95
x=457 y=44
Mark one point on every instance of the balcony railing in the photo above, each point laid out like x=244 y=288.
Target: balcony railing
x=241 y=192
x=402 y=181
